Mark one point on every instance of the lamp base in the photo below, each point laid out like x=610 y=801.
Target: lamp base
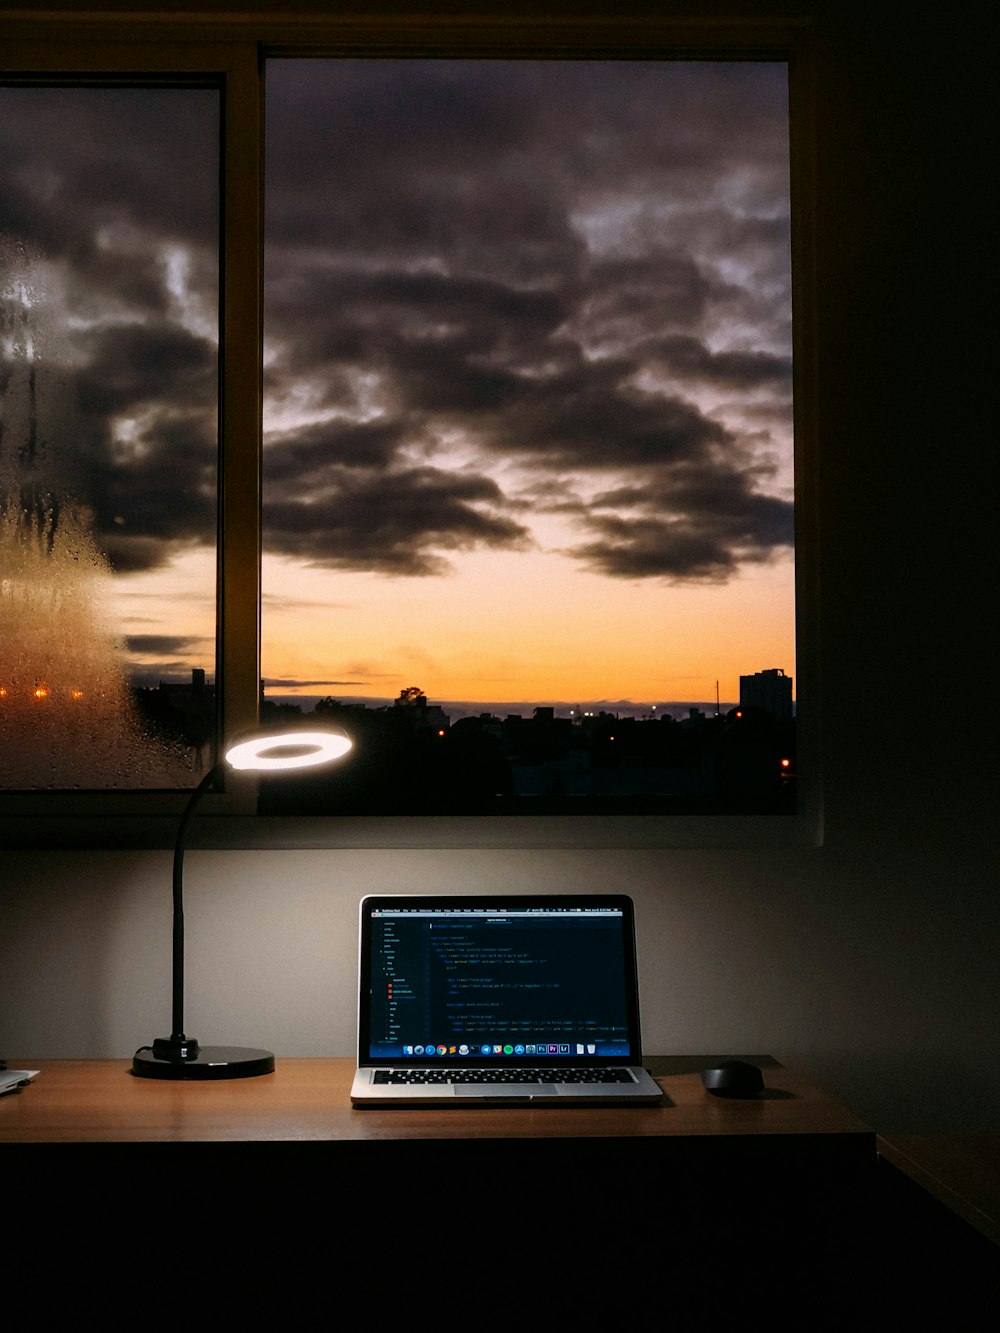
x=209 y=1062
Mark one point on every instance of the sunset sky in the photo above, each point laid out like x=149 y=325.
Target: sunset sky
x=528 y=371
x=528 y=347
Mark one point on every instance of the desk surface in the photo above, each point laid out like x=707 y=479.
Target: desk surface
x=962 y=1170
x=307 y=1100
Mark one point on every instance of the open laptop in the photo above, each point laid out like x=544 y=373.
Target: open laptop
x=499 y=999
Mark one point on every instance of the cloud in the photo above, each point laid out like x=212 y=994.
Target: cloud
x=165 y=645
x=166 y=657
x=689 y=525
x=704 y=546
x=108 y=275
x=691 y=359
x=570 y=276
x=488 y=287
x=303 y=458
x=395 y=523
x=133 y=364
x=87 y=169
x=292 y=682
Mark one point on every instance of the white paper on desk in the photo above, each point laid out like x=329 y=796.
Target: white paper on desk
x=13 y=1078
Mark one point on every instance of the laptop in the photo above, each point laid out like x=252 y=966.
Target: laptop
x=499 y=999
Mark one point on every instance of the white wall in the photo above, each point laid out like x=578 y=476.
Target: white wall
x=876 y=971
x=873 y=959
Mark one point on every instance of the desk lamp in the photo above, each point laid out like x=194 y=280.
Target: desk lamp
x=178 y=1056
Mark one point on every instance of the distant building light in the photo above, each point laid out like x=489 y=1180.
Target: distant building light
x=41 y=691
x=76 y=694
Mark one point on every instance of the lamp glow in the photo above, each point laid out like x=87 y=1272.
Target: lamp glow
x=263 y=754
x=179 y=1056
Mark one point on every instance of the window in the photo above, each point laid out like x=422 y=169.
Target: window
x=528 y=432
x=109 y=284
x=605 y=525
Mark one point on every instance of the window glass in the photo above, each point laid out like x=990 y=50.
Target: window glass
x=528 y=487
x=109 y=281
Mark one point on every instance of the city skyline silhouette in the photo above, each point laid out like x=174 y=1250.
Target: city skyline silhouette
x=411 y=756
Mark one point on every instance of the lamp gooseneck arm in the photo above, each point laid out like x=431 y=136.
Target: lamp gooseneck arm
x=179 y=1056
x=180 y=1046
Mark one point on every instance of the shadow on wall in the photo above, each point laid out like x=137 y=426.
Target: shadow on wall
x=77 y=958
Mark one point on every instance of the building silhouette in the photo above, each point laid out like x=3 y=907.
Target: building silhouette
x=769 y=690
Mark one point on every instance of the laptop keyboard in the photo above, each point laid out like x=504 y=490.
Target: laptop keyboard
x=421 y=1077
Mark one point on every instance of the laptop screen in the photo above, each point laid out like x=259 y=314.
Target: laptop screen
x=494 y=980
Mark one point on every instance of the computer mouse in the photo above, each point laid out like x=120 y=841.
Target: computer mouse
x=733 y=1078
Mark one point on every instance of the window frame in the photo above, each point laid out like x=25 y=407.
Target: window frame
x=231 y=51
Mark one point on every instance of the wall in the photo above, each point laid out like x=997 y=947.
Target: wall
x=872 y=959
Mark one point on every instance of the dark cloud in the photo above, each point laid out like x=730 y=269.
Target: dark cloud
x=84 y=166
x=133 y=436
x=394 y=524
x=691 y=359
x=305 y=458
x=549 y=267
x=401 y=142
x=592 y=418
x=643 y=548
x=543 y=264
x=693 y=526
x=389 y=150
x=291 y=682
x=171 y=656
x=418 y=329
x=625 y=299
x=108 y=256
x=134 y=364
x=165 y=645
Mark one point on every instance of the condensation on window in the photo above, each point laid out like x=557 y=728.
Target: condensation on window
x=108 y=438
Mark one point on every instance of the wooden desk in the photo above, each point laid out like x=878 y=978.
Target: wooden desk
x=307 y=1101
x=680 y=1187
x=160 y=1193
x=962 y=1170
x=174 y=1188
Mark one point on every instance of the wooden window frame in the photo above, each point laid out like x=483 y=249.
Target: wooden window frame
x=231 y=51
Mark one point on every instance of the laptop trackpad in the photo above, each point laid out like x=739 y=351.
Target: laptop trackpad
x=506 y=1090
